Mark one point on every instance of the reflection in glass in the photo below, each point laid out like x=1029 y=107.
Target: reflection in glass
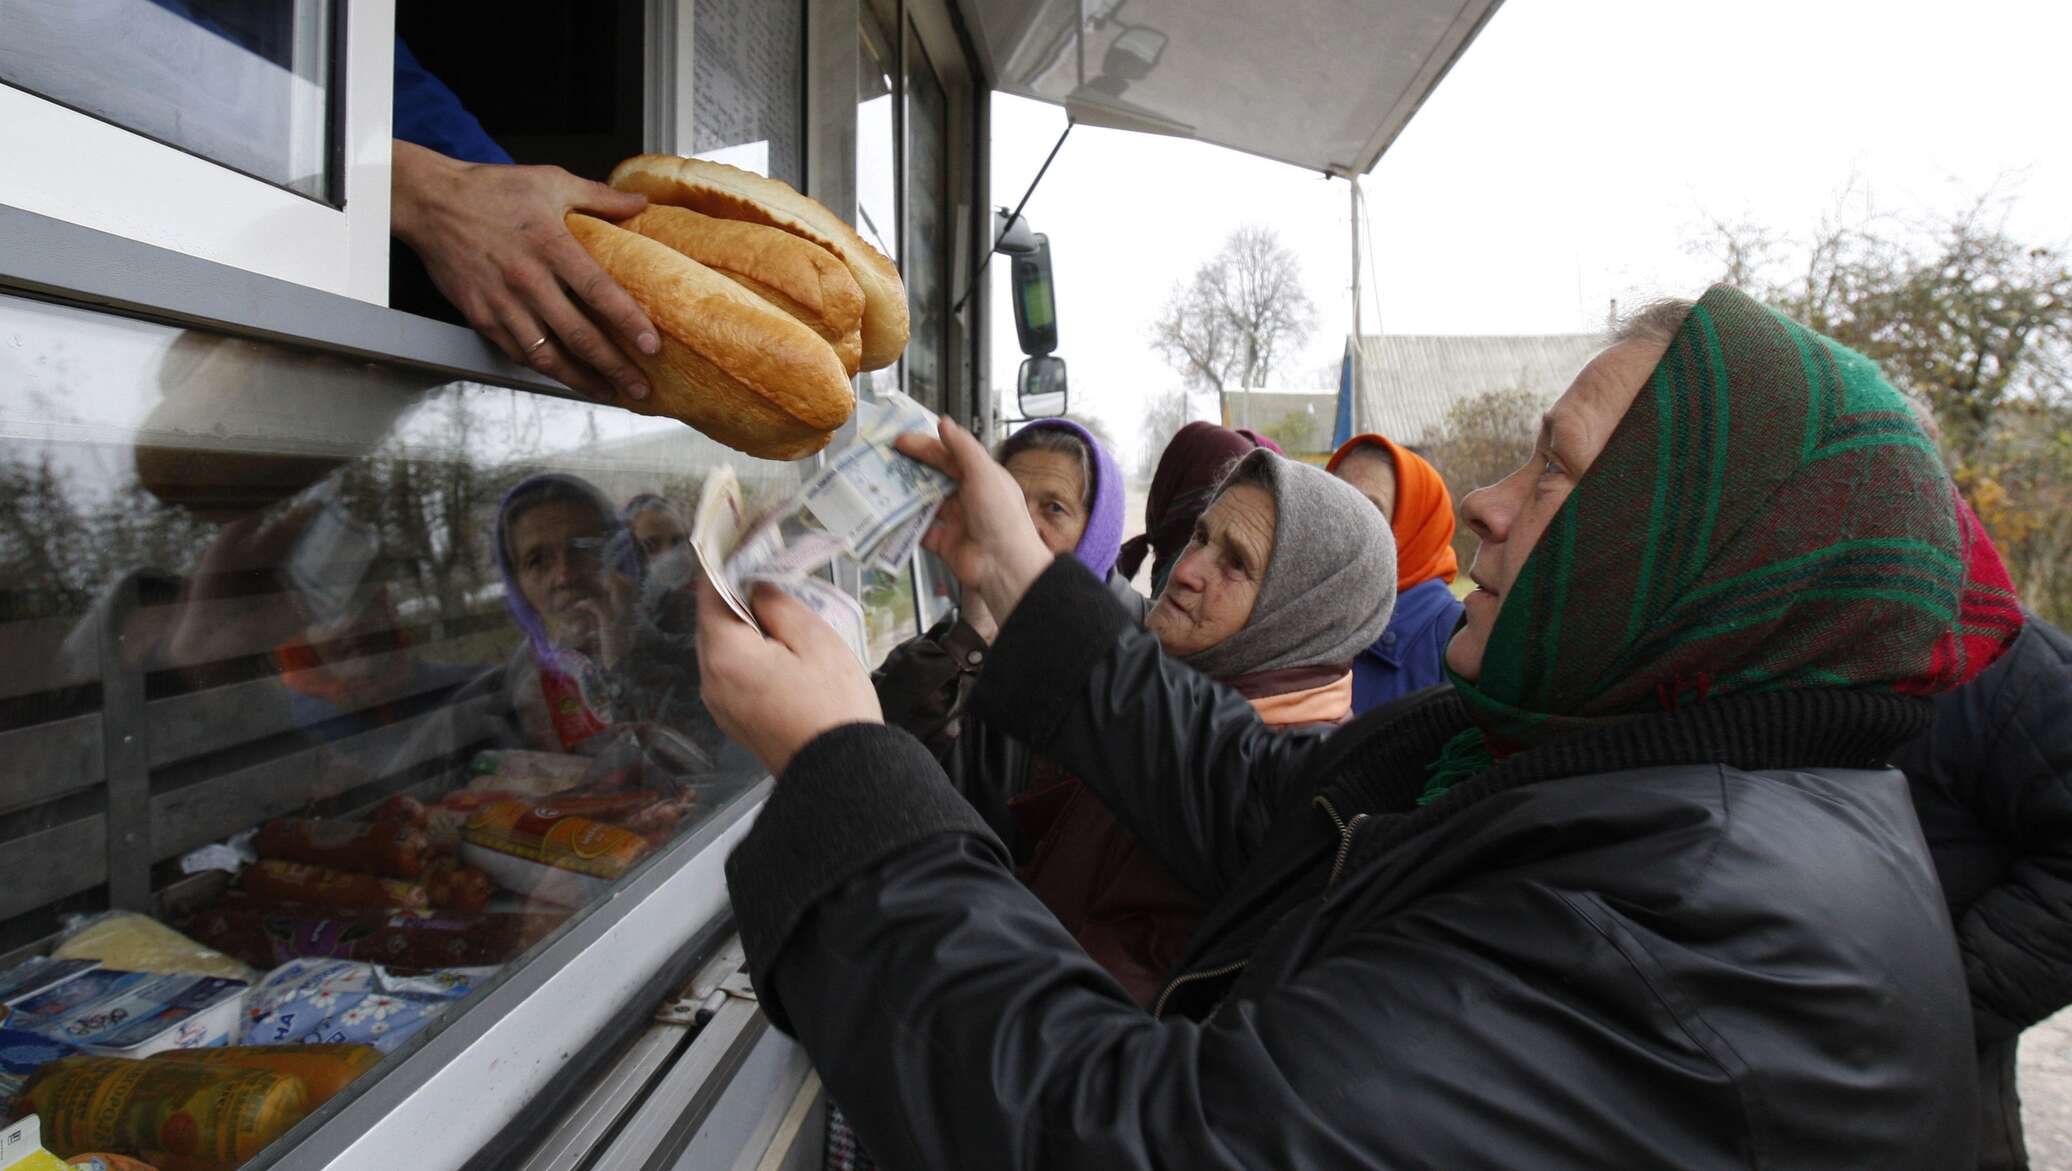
x=748 y=86
x=877 y=148
x=434 y=642
x=246 y=85
x=928 y=226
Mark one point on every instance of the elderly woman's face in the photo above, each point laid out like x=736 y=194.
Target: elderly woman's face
x=1368 y=469
x=1215 y=584
x=658 y=531
x=557 y=549
x=1056 y=495
x=1510 y=514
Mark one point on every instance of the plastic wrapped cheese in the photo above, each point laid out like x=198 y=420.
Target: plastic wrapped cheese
x=139 y=943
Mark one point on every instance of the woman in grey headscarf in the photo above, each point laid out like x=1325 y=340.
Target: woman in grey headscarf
x=1290 y=573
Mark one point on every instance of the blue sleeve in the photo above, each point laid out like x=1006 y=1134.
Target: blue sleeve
x=430 y=115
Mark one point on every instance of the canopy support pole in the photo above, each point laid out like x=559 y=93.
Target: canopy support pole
x=1356 y=414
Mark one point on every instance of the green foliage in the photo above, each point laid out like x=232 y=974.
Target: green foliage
x=1293 y=431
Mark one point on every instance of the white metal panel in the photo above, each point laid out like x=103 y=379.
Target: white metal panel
x=1322 y=84
x=77 y=168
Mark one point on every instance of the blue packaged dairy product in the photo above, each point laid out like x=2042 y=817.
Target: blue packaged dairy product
x=331 y=1001
x=134 y=1014
x=38 y=975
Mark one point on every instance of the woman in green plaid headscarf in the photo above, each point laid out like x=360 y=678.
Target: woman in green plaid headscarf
x=1766 y=514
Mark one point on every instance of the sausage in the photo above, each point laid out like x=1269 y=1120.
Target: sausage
x=268 y=934
x=403 y=808
x=176 y=1116
x=322 y=886
x=458 y=887
x=393 y=849
x=325 y=1069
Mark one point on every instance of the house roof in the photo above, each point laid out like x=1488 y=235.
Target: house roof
x=1407 y=383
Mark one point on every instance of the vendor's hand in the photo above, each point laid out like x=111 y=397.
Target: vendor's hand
x=493 y=240
x=983 y=531
x=774 y=695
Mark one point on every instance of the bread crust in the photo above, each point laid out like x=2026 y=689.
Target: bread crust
x=791 y=272
x=731 y=364
x=731 y=193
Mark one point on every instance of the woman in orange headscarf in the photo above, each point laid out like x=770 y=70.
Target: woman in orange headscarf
x=1409 y=491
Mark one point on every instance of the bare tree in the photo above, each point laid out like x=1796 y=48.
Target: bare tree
x=1238 y=316
x=1485 y=438
x=1164 y=415
x=1977 y=322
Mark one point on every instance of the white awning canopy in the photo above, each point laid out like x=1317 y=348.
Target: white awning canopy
x=1321 y=84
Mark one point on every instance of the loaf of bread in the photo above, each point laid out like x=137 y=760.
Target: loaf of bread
x=732 y=364
x=792 y=273
x=730 y=193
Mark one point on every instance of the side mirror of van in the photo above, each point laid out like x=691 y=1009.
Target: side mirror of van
x=1040 y=388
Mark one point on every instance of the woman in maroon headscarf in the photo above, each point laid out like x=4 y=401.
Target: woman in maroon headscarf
x=1188 y=472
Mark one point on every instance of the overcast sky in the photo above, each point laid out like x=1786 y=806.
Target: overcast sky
x=1569 y=158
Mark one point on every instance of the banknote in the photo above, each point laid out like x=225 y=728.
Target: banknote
x=891 y=554
x=716 y=531
x=837 y=609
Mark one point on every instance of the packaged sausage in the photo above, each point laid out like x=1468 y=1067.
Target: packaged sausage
x=408 y=810
x=340 y=1002
x=175 y=1116
x=535 y=850
x=139 y=943
x=268 y=934
x=299 y=882
x=455 y=886
x=325 y=1069
x=392 y=849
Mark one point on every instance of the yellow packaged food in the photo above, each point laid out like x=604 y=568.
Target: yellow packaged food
x=545 y=835
x=139 y=943
x=175 y=1115
x=21 y=1148
x=324 y=1069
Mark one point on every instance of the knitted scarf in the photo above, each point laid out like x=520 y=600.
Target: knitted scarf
x=1767 y=516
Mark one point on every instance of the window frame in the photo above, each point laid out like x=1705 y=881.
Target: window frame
x=63 y=163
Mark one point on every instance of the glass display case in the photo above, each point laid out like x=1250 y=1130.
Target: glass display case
x=353 y=702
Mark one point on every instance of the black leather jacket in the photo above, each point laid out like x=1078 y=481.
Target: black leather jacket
x=1992 y=782
x=1690 y=966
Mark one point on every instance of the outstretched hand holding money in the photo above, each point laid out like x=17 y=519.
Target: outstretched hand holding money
x=982 y=531
x=774 y=694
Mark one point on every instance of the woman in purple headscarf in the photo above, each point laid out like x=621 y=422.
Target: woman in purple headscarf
x=570 y=573
x=1074 y=491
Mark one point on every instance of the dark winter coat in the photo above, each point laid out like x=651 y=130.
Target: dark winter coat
x=1992 y=782
x=1603 y=953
